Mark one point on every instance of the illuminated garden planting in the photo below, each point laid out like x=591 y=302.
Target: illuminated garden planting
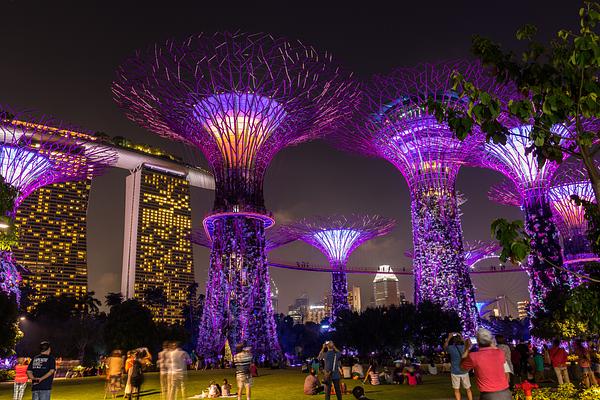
x=397 y=126
x=337 y=237
x=239 y=98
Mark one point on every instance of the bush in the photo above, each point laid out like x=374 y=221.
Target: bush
x=6 y=375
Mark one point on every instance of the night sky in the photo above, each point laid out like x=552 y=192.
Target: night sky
x=59 y=58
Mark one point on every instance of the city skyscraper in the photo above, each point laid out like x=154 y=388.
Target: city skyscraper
x=354 y=299
x=52 y=239
x=386 y=287
x=157 y=253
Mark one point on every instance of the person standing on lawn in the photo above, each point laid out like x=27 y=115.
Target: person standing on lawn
x=20 y=378
x=332 y=369
x=488 y=364
x=41 y=371
x=454 y=346
x=242 y=360
x=558 y=358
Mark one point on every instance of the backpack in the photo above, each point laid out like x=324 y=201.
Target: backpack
x=137 y=374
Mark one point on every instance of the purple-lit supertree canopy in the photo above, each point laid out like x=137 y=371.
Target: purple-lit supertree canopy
x=275 y=237
x=397 y=125
x=530 y=184
x=35 y=152
x=473 y=252
x=239 y=98
x=337 y=237
x=570 y=218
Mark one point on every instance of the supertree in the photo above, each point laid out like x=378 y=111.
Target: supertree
x=275 y=237
x=34 y=152
x=239 y=98
x=473 y=252
x=530 y=184
x=570 y=218
x=337 y=237
x=397 y=125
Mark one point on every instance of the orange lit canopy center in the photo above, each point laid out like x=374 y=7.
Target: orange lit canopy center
x=240 y=124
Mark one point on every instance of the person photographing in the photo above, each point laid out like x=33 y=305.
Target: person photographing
x=488 y=364
x=331 y=357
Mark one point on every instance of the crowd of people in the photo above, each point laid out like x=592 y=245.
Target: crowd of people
x=497 y=366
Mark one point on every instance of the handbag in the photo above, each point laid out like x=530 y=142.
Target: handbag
x=328 y=375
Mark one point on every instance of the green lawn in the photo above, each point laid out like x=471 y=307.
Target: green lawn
x=278 y=384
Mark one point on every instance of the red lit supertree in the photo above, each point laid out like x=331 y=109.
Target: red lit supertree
x=239 y=98
x=337 y=237
x=397 y=125
x=39 y=151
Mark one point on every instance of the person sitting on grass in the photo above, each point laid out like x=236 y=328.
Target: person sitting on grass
x=374 y=376
x=411 y=376
x=312 y=385
x=226 y=388
x=359 y=393
x=357 y=371
x=214 y=390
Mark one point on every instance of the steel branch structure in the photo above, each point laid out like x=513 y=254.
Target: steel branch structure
x=397 y=126
x=570 y=218
x=275 y=237
x=337 y=237
x=39 y=151
x=239 y=98
x=530 y=185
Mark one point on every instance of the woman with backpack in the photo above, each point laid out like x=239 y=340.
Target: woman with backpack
x=135 y=374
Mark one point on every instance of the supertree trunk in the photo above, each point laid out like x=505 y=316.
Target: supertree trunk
x=339 y=292
x=238 y=305
x=9 y=276
x=441 y=274
x=545 y=256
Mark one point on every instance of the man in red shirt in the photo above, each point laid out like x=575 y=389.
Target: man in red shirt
x=558 y=358
x=488 y=364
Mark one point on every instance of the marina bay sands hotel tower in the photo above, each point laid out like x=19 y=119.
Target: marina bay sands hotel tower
x=157 y=253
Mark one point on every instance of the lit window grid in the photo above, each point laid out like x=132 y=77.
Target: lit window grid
x=52 y=243
x=164 y=254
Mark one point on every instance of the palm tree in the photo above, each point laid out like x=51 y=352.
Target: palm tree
x=113 y=299
x=88 y=304
x=156 y=298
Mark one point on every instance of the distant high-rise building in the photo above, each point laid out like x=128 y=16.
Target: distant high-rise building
x=299 y=310
x=316 y=313
x=274 y=296
x=523 y=309
x=386 y=287
x=354 y=299
x=52 y=239
x=157 y=251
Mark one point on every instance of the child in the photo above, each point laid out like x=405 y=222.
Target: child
x=213 y=390
x=226 y=388
x=20 y=378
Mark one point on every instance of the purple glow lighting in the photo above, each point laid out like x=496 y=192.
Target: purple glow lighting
x=530 y=184
x=35 y=152
x=337 y=237
x=275 y=237
x=239 y=98
x=474 y=252
x=570 y=218
x=397 y=126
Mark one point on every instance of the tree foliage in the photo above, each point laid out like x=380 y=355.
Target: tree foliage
x=393 y=329
x=129 y=325
x=556 y=85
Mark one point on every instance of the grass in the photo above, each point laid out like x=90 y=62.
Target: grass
x=272 y=384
